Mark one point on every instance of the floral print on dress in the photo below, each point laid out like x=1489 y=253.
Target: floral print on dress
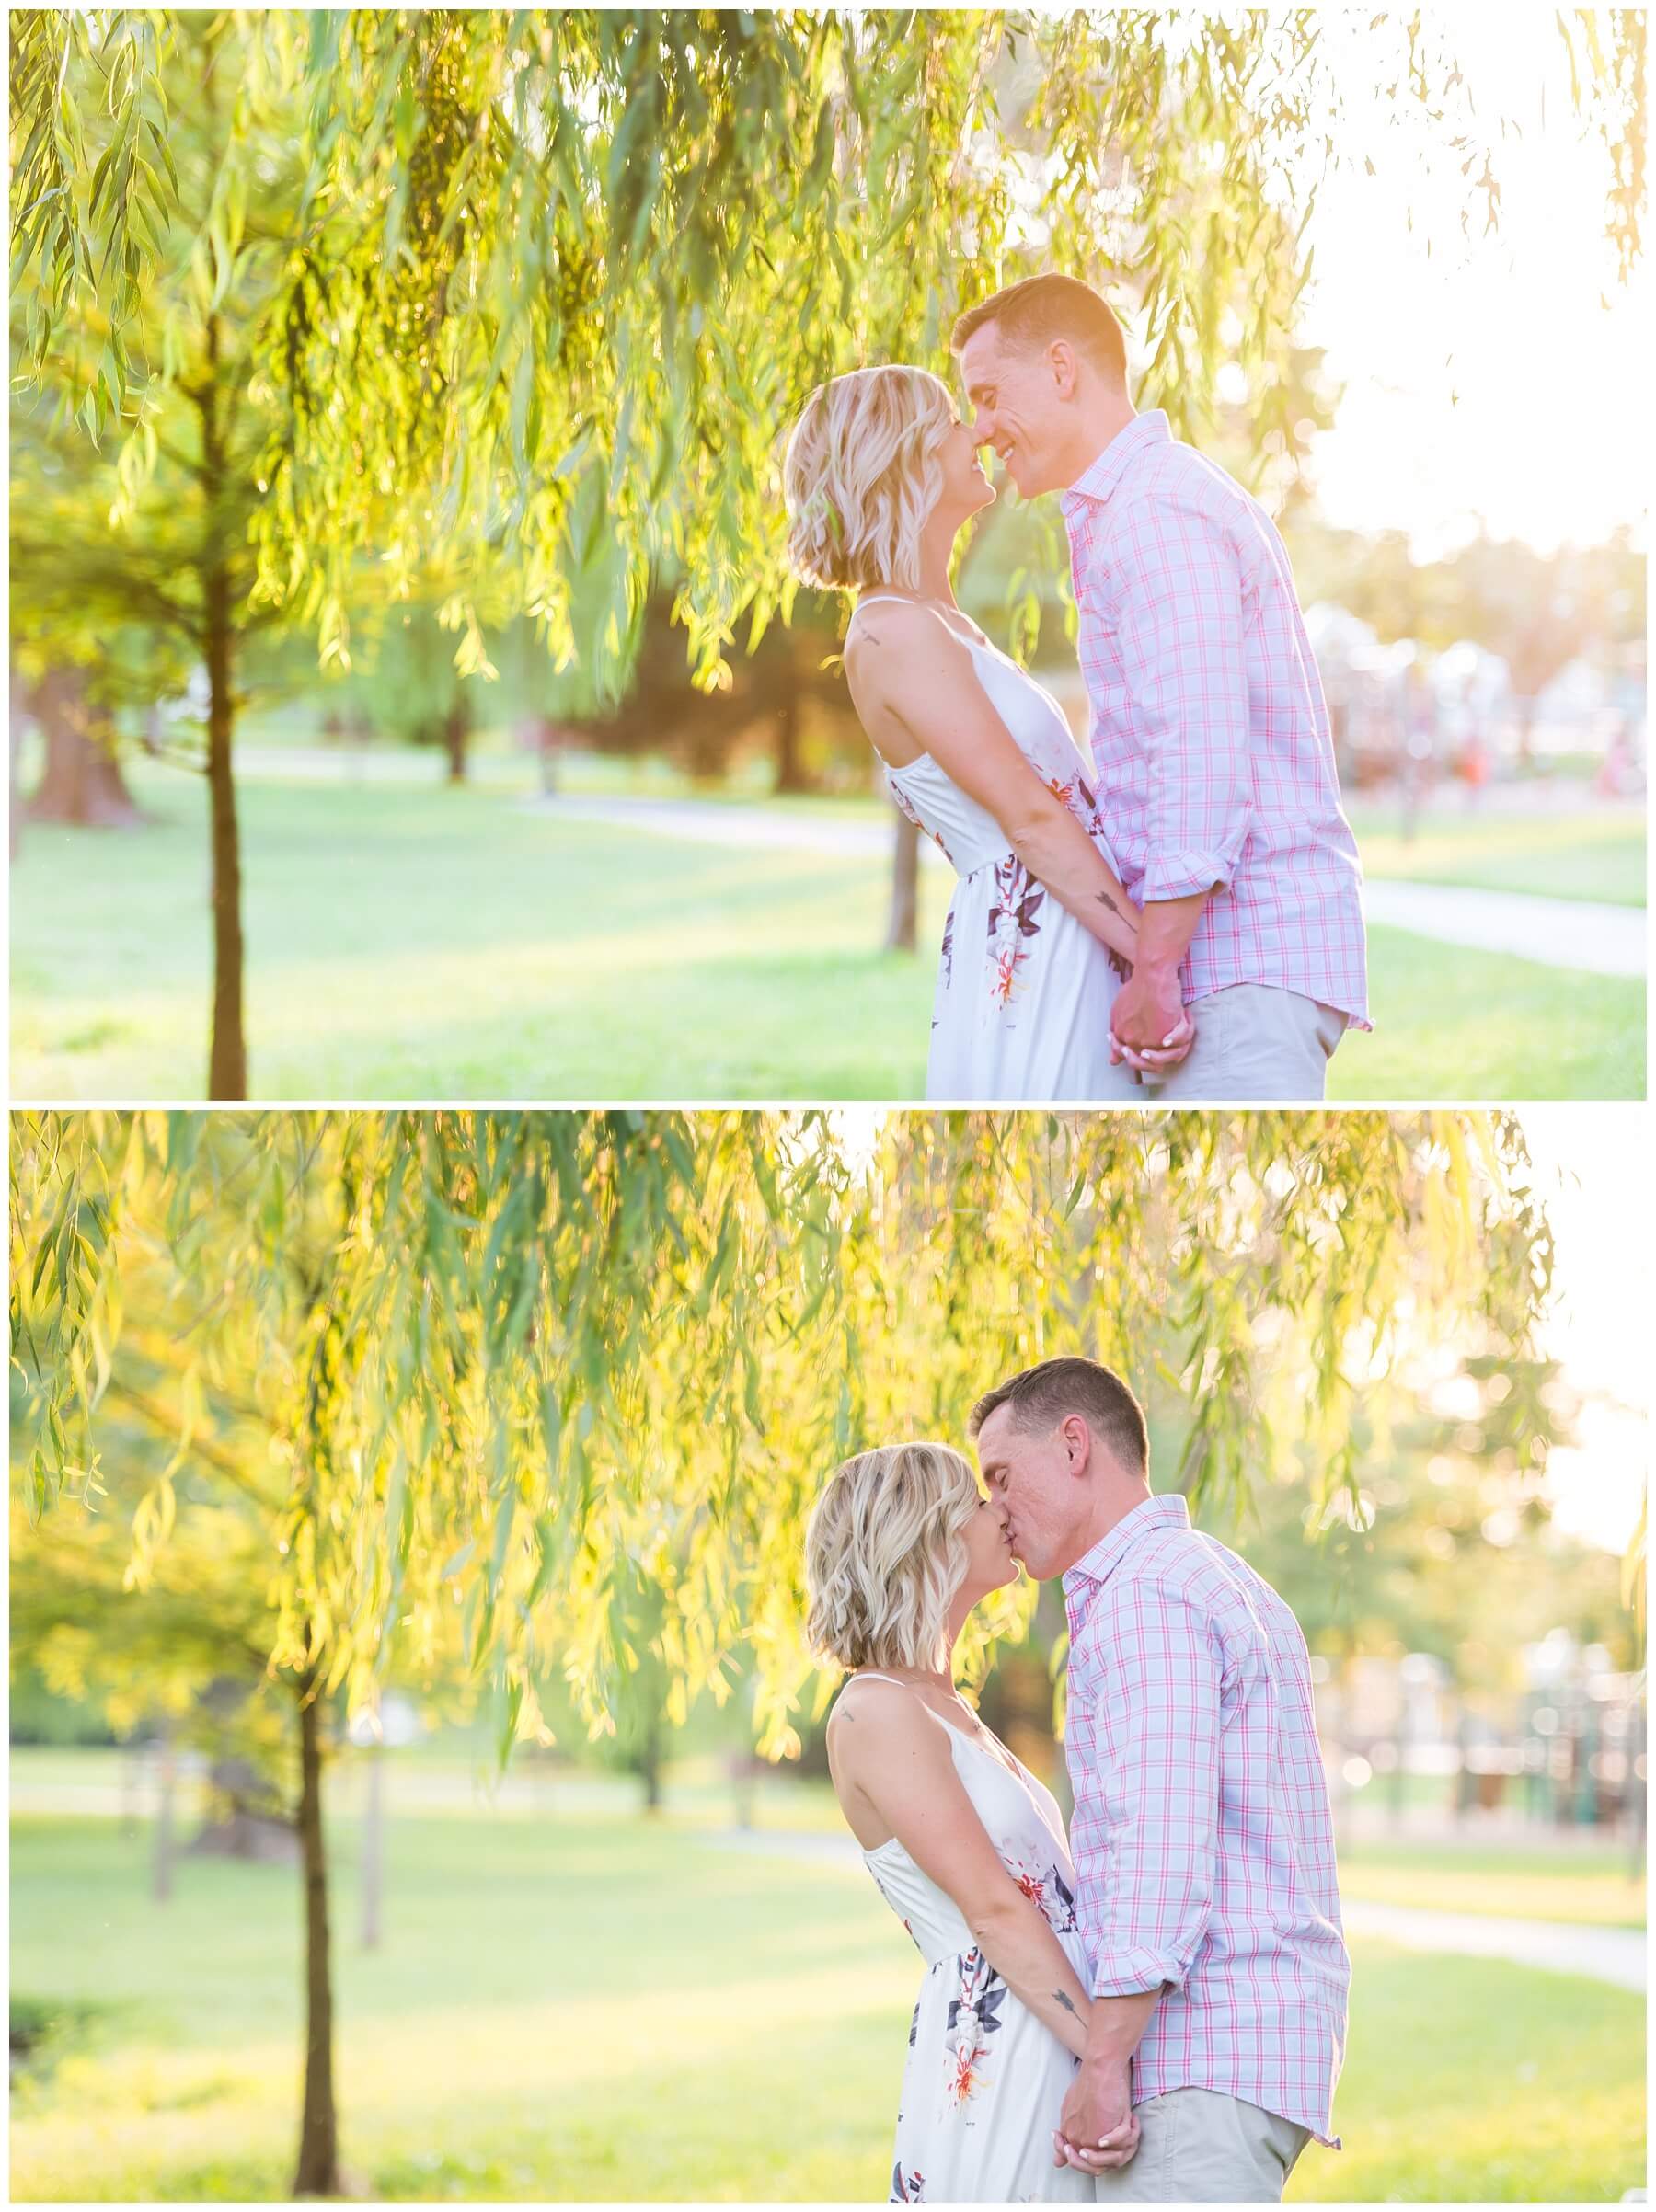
x=907 y=2188
x=1030 y=1017
x=973 y=2019
x=1075 y=793
x=905 y=804
x=1018 y=899
x=1049 y=1892
x=1087 y=813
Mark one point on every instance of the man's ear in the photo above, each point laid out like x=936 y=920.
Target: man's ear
x=1077 y=1441
x=1061 y=360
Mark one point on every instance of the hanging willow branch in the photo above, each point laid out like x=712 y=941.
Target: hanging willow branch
x=550 y=283
x=515 y=1367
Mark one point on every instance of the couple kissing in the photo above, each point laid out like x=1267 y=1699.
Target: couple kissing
x=1152 y=2007
x=1178 y=920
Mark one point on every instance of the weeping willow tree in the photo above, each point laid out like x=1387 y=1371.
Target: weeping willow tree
x=540 y=288
x=506 y=1385
x=555 y=277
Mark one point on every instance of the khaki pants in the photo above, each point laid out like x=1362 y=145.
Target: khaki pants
x=1198 y=2147
x=1255 y=1045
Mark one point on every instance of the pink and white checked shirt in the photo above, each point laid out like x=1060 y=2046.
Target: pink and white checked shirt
x=1202 y=1839
x=1210 y=738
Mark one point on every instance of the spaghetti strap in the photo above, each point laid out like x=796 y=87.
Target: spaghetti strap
x=972 y=645
x=895 y=599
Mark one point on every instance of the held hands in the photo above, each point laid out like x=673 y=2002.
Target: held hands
x=1150 y=1027
x=1097 y=2130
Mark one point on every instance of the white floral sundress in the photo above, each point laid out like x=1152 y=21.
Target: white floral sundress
x=985 y=2079
x=1021 y=1010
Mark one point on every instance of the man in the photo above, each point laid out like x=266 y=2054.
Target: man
x=1203 y=1840
x=1210 y=738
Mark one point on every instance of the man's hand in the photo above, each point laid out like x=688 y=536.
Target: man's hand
x=1148 y=1025
x=1097 y=2129
x=1178 y=1048
x=1149 y=1007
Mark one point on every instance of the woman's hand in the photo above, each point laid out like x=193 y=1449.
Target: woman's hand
x=1175 y=1047
x=1099 y=2129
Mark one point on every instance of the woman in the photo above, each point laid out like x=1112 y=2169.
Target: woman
x=881 y=476
x=965 y=1844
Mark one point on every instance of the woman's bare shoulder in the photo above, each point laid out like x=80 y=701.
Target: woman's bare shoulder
x=898 y=651
x=872 y=1711
x=885 y=628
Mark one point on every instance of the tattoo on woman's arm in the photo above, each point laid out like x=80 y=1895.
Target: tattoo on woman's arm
x=1104 y=900
x=1060 y=1997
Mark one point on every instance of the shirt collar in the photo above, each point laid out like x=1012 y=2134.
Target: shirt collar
x=1170 y=1511
x=1102 y=478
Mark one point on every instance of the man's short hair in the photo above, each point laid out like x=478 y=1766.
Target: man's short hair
x=1042 y=308
x=1044 y=1395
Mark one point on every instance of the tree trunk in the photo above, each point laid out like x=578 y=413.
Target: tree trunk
x=244 y=1819
x=790 y=760
x=82 y=782
x=649 y=1764
x=905 y=879
x=318 y=2170
x=742 y=1766
x=1636 y=1790
x=1526 y=730
x=456 y=735
x=373 y=1847
x=547 y=741
x=19 y=708
x=228 y=1059
x=131 y=1786
x=165 y=1775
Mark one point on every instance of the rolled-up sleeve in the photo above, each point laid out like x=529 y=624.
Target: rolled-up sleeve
x=1180 y=633
x=1146 y=1823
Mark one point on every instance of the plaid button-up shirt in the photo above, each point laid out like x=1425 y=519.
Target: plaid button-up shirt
x=1202 y=1839
x=1210 y=738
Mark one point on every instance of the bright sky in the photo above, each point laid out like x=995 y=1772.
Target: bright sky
x=1485 y=378
x=1595 y=1166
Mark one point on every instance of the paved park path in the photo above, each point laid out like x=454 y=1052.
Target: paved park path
x=1583 y=934
x=1612 y=1955
x=1559 y=932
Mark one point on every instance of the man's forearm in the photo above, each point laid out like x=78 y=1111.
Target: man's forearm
x=1116 y=2027
x=1166 y=928
x=1149 y=1007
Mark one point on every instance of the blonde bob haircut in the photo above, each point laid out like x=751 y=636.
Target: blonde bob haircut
x=884 y=1553
x=862 y=474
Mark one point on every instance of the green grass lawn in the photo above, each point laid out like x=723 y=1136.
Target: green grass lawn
x=413 y=943
x=1590 y=1885
x=1531 y=1874
x=1564 y=855
x=603 y=2008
